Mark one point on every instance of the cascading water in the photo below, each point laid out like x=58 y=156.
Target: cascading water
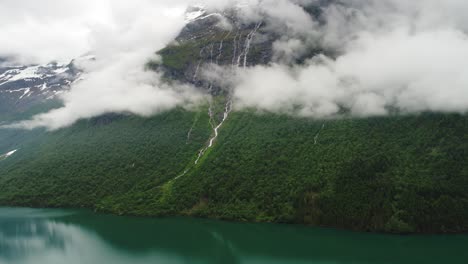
x=240 y=55
x=197 y=69
x=318 y=134
x=248 y=41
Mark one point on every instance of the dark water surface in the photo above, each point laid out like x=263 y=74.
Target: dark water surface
x=67 y=236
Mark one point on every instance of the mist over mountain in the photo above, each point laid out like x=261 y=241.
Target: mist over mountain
x=325 y=57
x=348 y=114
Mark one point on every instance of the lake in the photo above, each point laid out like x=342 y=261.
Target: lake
x=73 y=236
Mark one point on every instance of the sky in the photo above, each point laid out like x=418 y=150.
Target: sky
x=389 y=54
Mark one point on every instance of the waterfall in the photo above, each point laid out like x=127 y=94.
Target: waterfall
x=239 y=54
x=248 y=41
x=318 y=134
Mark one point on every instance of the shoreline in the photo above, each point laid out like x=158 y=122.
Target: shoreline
x=234 y=221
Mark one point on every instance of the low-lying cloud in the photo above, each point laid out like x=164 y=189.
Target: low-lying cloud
x=412 y=72
x=386 y=55
x=390 y=55
x=122 y=35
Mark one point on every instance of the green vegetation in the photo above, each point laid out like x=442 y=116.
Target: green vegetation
x=11 y=111
x=179 y=57
x=393 y=174
x=110 y=155
x=398 y=174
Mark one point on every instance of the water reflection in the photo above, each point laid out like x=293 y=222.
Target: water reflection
x=44 y=241
x=57 y=236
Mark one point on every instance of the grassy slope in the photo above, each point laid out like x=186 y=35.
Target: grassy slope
x=402 y=174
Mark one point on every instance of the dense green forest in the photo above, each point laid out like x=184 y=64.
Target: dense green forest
x=400 y=173
x=392 y=174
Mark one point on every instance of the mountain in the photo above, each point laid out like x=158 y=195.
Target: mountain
x=400 y=173
x=27 y=86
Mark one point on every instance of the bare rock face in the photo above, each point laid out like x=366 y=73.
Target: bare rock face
x=215 y=38
x=225 y=39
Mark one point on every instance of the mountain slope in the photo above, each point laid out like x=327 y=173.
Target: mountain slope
x=399 y=174
x=392 y=174
x=25 y=90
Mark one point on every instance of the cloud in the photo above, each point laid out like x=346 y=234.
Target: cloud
x=378 y=55
x=135 y=91
x=123 y=36
x=411 y=74
x=390 y=55
x=38 y=32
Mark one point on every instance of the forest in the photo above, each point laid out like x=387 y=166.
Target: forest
x=401 y=174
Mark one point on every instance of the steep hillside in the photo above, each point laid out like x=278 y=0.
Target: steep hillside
x=392 y=174
x=399 y=174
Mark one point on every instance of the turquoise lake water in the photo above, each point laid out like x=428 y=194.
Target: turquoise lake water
x=69 y=236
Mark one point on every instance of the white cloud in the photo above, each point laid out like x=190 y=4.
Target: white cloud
x=41 y=31
x=392 y=54
x=411 y=55
x=118 y=88
x=414 y=72
x=122 y=35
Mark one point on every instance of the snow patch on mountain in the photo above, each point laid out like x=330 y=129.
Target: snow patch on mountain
x=39 y=81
